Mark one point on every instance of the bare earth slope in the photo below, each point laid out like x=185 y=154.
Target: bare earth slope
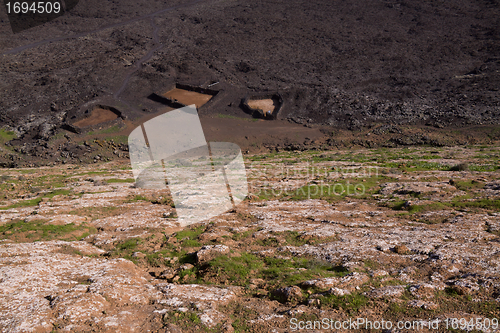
x=345 y=63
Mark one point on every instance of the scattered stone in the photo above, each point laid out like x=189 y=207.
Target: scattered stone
x=323 y=283
x=297 y=310
x=386 y=292
x=402 y=249
x=424 y=290
x=313 y=302
x=186 y=294
x=186 y=266
x=378 y=273
x=436 y=277
x=258 y=282
x=99 y=182
x=353 y=280
x=171 y=328
x=352 y=265
x=138 y=255
x=167 y=274
x=337 y=292
x=287 y=294
x=416 y=303
x=209 y=252
x=383 y=247
x=464 y=286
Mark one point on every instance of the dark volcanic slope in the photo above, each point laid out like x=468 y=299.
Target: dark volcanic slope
x=341 y=63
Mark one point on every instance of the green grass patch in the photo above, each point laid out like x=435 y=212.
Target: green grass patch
x=190 y=243
x=189 y=275
x=468 y=185
x=474 y=167
x=40 y=230
x=278 y=272
x=6 y=136
x=163 y=200
x=413 y=165
x=434 y=206
x=355 y=158
x=112 y=129
x=269 y=241
x=267 y=157
x=459 y=167
x=237 y=269
x=27 y=172
x=51 y=181
x=450 y=301
x=93 y=173
x=129 y=244
x=52 y=194
x=424 y=207
x=322 y=158
x=182 y=318
x=119 y=139
x=154 y=259
x=241 y=315
x=242 y=235
x=117 y=180
x=137 y=198
x=23 y=203
x=125 y=248
x=191 y=233
x=284 y=272
x=395 y=308
x=157 y=258
x=484 y=167
x=57 y=136
x=371 y=264
x=351 y=303
x=489 y=204
x=188 y=321
x=362 y=188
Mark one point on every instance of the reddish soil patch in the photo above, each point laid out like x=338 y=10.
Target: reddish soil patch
x=188 y=97
x=97 y=116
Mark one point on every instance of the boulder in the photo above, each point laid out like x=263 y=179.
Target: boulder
x=287 y=294
x=209 y=252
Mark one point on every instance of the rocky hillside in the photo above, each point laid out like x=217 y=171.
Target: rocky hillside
x=392 y=234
